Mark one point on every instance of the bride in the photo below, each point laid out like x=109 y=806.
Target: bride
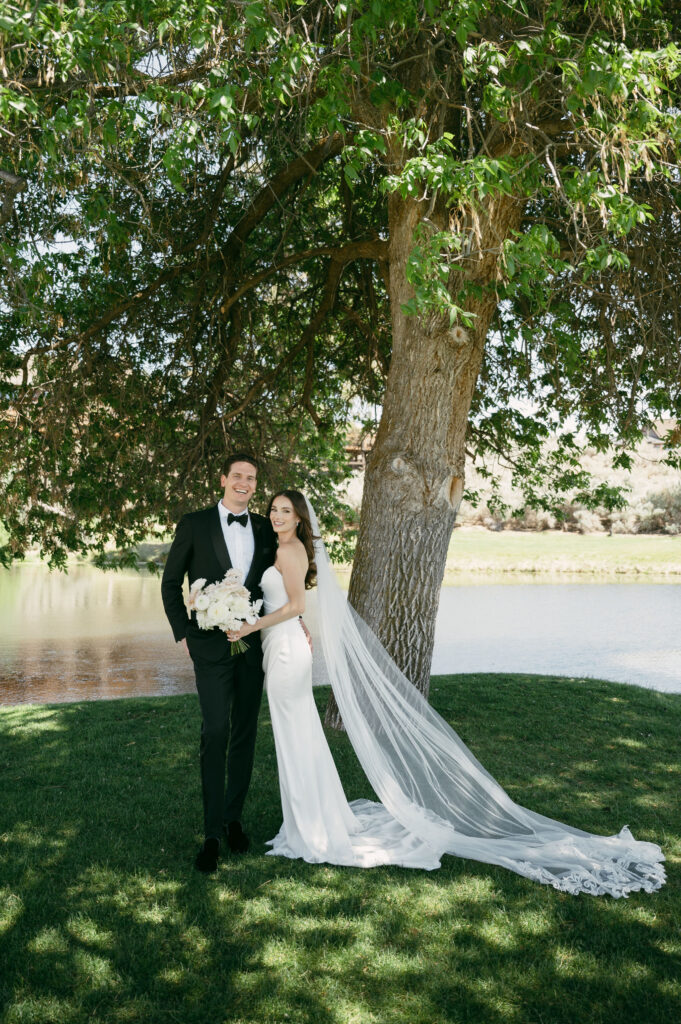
x=435 y=796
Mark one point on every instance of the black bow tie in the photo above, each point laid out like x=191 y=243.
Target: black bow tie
x=242 y=519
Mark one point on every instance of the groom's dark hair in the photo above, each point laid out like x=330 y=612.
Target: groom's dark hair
x=238 y=457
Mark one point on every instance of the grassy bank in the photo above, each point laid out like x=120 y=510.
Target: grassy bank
x=102 y=918
x=476 y=550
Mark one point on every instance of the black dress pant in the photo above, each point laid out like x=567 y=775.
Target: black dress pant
x=230 y=692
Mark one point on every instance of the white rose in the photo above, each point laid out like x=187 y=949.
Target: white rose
x=202 y=602
x=227 y=611
x=239 y=605
x=215 y=614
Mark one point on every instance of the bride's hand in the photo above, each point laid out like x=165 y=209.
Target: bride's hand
x=246 y=628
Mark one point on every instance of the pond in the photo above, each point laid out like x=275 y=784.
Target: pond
x=90 y=635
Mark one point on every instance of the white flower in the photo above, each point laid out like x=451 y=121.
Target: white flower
x=226 y=604
x=240 y=605
x=221 y=609
x=229 y=586
x=215 y=614
x=252 y=616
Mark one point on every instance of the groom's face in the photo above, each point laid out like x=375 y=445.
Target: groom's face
x=239 y=485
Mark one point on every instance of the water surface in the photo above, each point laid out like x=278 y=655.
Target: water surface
x=93 y=635
x=625 y=632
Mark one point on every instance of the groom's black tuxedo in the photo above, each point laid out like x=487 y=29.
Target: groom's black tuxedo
x=229 y=686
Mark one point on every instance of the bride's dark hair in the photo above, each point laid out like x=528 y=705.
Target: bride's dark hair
x=303 y=530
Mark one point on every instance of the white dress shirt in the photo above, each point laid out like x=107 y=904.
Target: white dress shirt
x=239 y=540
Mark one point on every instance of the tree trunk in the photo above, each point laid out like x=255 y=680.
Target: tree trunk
x=415 y=473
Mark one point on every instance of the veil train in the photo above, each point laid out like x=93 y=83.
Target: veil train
x=431 y=783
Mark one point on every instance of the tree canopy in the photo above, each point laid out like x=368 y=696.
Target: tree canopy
x=217 y=221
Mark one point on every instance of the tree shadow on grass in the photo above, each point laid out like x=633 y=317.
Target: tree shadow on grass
x=105 y=919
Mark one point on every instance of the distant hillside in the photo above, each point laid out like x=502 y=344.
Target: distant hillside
x=654 y=497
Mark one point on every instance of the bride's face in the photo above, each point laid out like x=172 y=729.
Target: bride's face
x=283 y=516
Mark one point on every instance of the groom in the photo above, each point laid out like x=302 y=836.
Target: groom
x=206 y=545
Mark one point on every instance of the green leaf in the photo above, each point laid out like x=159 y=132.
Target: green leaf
x=254 y=13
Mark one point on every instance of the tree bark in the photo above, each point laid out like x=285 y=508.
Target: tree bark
x=415 y=473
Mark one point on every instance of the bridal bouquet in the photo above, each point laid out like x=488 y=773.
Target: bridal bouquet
x=225 y=604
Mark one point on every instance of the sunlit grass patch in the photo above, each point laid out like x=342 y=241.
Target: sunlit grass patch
x=518 y=552
x=11 y=909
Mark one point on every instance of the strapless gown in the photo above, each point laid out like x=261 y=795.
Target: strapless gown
x=319 y=826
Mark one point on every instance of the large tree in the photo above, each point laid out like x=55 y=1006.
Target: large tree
x=222 y=222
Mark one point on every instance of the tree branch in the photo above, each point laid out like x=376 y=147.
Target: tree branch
x=113 y=314
x=335 y=269
x=270 y=193
x=135 y=86
x=368 y=249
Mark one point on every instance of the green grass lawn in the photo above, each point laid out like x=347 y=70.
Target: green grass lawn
x=508 y=551
x=102 y=917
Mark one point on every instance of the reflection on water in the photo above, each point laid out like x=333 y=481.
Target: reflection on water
x=84 y=636
x=84 y=602
x=53 y=671
x=93 y=635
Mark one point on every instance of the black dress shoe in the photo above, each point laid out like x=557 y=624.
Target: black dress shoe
x=237 y=840
x=208 y=856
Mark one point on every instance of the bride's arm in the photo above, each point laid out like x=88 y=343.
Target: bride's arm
x=293 y=575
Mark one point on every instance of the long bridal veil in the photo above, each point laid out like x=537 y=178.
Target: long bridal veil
x=432 y=784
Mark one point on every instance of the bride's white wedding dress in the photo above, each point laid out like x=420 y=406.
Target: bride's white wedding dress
x=319 y=825
x=435 y=796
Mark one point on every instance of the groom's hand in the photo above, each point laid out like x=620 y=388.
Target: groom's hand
x=184 y=643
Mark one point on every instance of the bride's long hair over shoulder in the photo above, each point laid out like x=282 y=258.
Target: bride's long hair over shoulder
x=304 y=530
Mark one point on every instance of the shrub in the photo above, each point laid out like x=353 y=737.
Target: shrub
x=661 y=513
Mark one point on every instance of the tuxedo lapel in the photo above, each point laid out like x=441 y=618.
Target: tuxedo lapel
x=256 y=526
x=218 y=539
